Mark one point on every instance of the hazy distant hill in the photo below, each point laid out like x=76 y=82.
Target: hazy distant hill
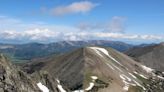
x=35 y=50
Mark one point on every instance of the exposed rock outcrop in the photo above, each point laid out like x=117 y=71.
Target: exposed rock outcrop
x=12 y=79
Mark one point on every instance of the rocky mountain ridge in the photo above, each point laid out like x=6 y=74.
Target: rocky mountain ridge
x=89 y=69
x=151 y=56
x=14 y=80
x=97 y=69
x=36 y=50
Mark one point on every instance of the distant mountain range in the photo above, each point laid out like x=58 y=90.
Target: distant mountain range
x=83 y=68
x=36 y=50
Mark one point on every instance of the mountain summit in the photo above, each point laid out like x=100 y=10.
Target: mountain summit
x=97 y=69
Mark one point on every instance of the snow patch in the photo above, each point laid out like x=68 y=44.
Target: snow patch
x=78 y=91
x=133 y=75
x=135 y=72
x=139 y=85
x=97 y=49
x=143 y=76
x=97 y=52
x=140 y=75
x=101 y=49
x=160 y=77
x=60 y=86
x=147 y=69
x=94 y=77
x=118 y=68
x=110 y=66
x=91 y=85
x=58 y=81
x=125 y=79
x=42 y=87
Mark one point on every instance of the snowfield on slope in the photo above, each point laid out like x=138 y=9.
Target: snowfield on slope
x=133 y=75
x=126 y=81
x=147 y=69
x=91 y=84
x=60 y=86
x=42 y=87
x=98 y=50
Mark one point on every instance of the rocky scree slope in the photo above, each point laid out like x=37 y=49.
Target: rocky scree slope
x=12 y=79
x=96 y=69
x=151 y=56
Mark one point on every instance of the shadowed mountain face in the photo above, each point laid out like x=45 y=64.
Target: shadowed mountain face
x=151 y=56
x=95 y=69
x=35 y=50
x=14 y=80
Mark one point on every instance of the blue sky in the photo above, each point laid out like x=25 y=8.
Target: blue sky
x=55 y=20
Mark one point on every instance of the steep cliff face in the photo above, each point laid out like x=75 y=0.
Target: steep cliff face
x=14 y=80
x=45 y=79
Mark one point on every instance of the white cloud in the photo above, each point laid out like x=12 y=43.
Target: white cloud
x=16 y=30
x=76 y=36
x=129 y=36
x=116 y=24
x=39 y=34
x=9 y=34
x=150 y=37
x=46 y=35
x=84 y=26
x=32 y=35
x=76 y=7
